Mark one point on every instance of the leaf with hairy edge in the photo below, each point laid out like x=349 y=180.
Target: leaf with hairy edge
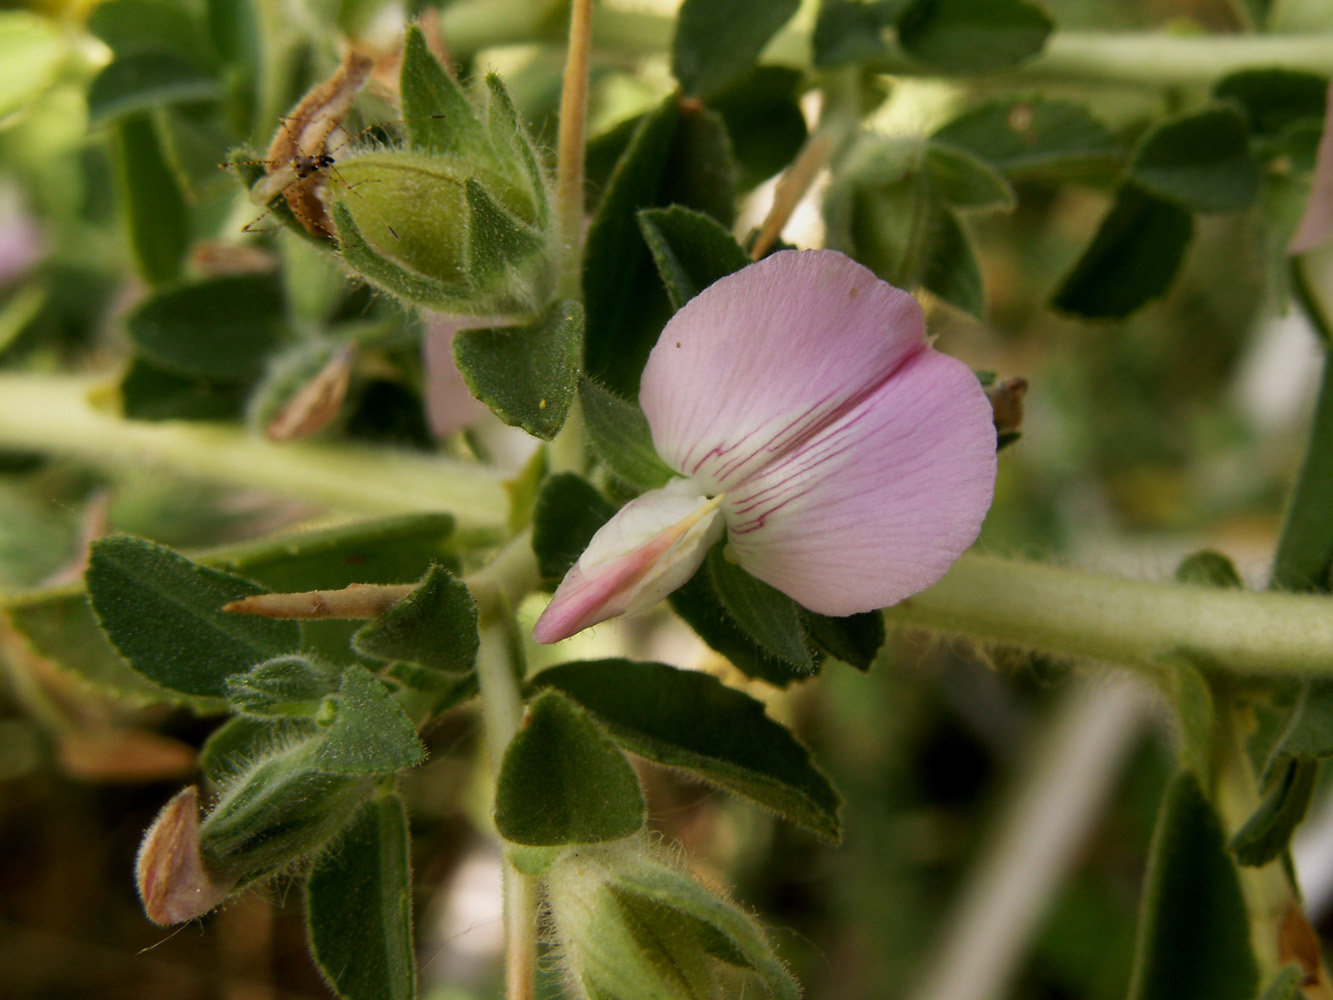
x=164 y=613
x=563 y=781
x=690 y=720
x=440 y=118
x=369 y=732
x=768 y=616
x=692 y=250
x=527 y=375
x=619 y=434
x=1194 y=932
x=435 y=626
x=854 y=639
x=359 y=907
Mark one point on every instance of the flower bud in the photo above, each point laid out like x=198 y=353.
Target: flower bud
x=173 y=882
x=631 y=926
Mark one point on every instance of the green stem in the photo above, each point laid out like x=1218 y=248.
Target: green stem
x=57 y=414
x=496 y=588
x=1132 y=622
x=571 y=145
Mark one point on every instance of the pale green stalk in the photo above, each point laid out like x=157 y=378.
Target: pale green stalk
x=1134 y=622
x=57 y=414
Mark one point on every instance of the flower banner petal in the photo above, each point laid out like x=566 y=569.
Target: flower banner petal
x=879 y=504
x=762 y=358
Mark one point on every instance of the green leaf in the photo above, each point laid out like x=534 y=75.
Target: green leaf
x=1200 y=160
x=1132 y=258
x=851 y=31
x=691 y=250
x=1194 y=937
x=369 y=733
x=32 y=51
x=688 y=719
x=699 y=604
x=145 y=81
x=619 y=434
x=440 y=119
x=564 y=782
x=966 y=181
x=1304 y=557
x=1021 y=136
x=1274 y=100
x=382 y=550
x=738 y=939
x=435 y=626
x=766 y=615
x=854 y=639
x=973 y=36
x=497 y=238
x=220 y=328
x=133 y=26
x=527 y=375
x=164 y=614
x=358 y=903
x=762 y=114
x=152 y=205
x=234 y=745
x=952 y=271
x=1309 y=731
x=569 y=511
x=148 y=392
x=290 y=685
x=1268 y=831
x=61 y=626
x=676 y=156
x=717 y=41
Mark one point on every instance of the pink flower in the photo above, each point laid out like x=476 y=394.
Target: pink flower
x=848 y=462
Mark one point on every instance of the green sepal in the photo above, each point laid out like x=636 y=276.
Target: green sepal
x=690 y=720
x=973 y=36
x=699 y=604
x=766 y=615
x=152 y=205
x=854 y=639
x=496 y=238
x=717 y=41
x=568 y=513
x=563 y=781
x=435 y=627
x=1200 y=161
x=220 y=328
x=506 y=127
x=1268 y=831
x=736 y=938
x=1023 y=136
x=164 y=614
x=240 y=741
x=691 y=250
x=440 y=118
x=620 y=437
x=1136 y=252
x=1194 y=936
x=527 y=375
x=358 y=902
x=364 y=731
x=290 y=685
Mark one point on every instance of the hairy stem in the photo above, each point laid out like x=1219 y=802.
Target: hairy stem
x=569 y=163
x=56 y=414
x=1132 y=622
